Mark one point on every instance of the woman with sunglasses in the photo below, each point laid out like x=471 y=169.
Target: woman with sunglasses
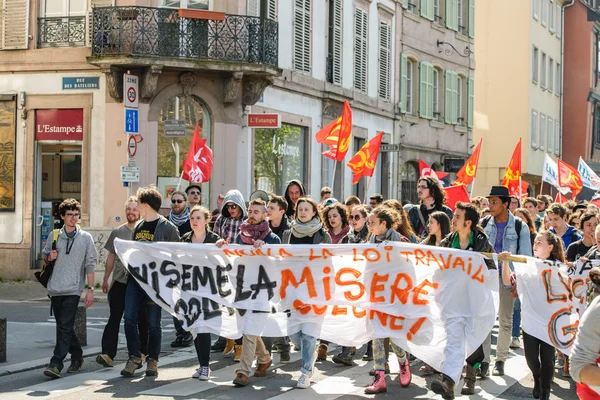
x=359 y=233
x=199 y=217
x=382 y=222
x=539 y=354
x=306 y=228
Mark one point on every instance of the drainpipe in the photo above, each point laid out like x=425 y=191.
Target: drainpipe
x=562 y=62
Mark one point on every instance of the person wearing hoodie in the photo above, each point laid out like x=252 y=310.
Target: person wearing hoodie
x=557 y=213
x=152 y=227
x=75 y=257
x=276 y=210
x=233 y=214
x=293 y=192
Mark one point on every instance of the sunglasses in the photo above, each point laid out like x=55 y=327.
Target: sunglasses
x=422 y=187
x=232 y=206
x=178 y=201
x=356 y=217
x=70 y=215
x=192 y=192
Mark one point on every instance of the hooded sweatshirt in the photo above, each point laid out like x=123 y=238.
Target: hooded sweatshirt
x=291 y=206
x=76 y=258
x=225 y=226
x=570 y=236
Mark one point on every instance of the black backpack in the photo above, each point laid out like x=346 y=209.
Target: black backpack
x=44 y=275
x=518 y=227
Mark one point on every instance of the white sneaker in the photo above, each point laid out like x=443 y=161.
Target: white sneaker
x=204 y=373
x=515 y=343
x=197 y=373
x=303 y=382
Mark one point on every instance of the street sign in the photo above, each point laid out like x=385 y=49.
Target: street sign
x=386 y=148
x=131 y=121
x=83 y=82
x=130 y=90
x=130 y=174
x=264 y=121
x=132 y=146
x=131 y=162
x=175 y=127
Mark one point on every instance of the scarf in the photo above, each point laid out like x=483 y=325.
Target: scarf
x=179 y=219
x=385 y=236
x=358 y=237
x=250 y=233
x=301 y=230
x=335 y=239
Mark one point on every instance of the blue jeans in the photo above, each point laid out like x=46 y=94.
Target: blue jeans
x=516 y=328
x=308 y=347
x=136 y=298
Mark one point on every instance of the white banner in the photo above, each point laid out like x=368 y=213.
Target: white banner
x=548 y=310
x=550 y=174
x=588 y=176
x=347 y=294
x=579 y=277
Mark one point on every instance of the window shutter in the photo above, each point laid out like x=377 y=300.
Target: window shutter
x=405 y=4
x=471 y=18
x=550 y=135
x=429 y=113
x=452 y=95
x=557 y=139
x=426 y=90
x=403 y=81
x=452 y=14
x=471 y=104
x=337 y=41
x=302 y=35
x=14 y=24
x=92 y=4
x=272 y=10
x=427 y=9
x=384 y=59
x=448 y=108
x=360 y=50
x=253 y=8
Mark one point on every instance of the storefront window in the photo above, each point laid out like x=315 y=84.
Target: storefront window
x=279 y=156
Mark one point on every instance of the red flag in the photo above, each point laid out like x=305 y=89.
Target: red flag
x=569 y=177
x=514 y=189
x=199 y=160
x=337 y=135
x=456 y=193
x=425 y=170
x=559 y=198
x=468 y=172
x=363 y=162
x=512 y=174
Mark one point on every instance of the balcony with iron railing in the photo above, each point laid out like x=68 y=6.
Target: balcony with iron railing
x=62 y=31
x=146 y=35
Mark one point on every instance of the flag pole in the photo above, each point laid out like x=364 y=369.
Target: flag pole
x=541 y=187
x=520 y=188
x=367 y=191
x=333 y=177
x=179 y=183
x=472 y=187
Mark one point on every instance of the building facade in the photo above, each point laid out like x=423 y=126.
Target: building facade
x=519 y=87
x=581 y=83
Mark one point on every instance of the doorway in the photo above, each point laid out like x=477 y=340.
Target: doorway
x=57 y=177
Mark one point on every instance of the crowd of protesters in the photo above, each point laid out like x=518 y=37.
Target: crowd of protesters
x=497 y=223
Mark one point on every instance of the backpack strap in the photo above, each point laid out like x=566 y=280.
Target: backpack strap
x=422 y=220
x=518 y=227
x=485 y=221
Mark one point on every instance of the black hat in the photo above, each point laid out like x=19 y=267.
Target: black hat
x=499 y=191
x=193 y=185
x=580 y=206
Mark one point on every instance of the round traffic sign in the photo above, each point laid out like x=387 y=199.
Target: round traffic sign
x=131 y=95
x=132 y=146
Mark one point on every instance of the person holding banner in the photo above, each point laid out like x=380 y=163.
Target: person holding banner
x=403 y=227
x=199 y=217
x=538 y=353
x=306 y=228
x=382 y=222
x=585 y=354
x=335 y=218
x=466 y=235
x=439 y=228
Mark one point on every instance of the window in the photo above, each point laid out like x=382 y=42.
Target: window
x=437 y=12
x=452 y=14
x=279 y=156
x=536 y=9
x=428 y=9
x=550 y=75
x=557 y=138
x=459 y=10
x=385 y=60
x=409 y=174
x=550 y=135
x=426 y=94
x=551 y=17
x=536 y=66
x=558 y=20
x=545 y=12
x=543 y=71
x=334 y=56
x=302 y=35
x=542 y=131
x=534 y=129
x=253 y=8
x=451 y=98
x=436 y=93
x=409 y=86
x=64 y=8
x=558 y=87
x=413 y=5
x=459 y=97
x=360 y=49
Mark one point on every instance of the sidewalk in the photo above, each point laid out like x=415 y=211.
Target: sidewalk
x=34 y=291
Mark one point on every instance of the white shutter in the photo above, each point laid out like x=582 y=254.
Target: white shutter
x=405 y=4
x=14 y=24
x=360 y=49
x=403 y=81
x=429 y=110
x=427 y=9
x=534 y=129
x=272 y=10
x=337 y=41
x=454 y=97
x=426 y=90
x=471 y=103
x=302 y=35
x=471 y=18
x=550 y=135
x=542 y=132
x=452 y=14
x=557 y=138
x=253 y=8
x=384 y=59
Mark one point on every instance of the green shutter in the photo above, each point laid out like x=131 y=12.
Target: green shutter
x=405 y=4
x=430 y=91
x=423 y=90
x=471 y=104
x=426 y=91
x=403 y=81
x=448 y=96
x=454 y=98
x=452 y=14
x=471 y=18
x=427 y=10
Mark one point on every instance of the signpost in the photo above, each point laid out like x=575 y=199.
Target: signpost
x=387 y=148
x=84 y=82
x=130 y=90
x=131 y=121
x=130 y=174
x=132 y=146
x=175 y=128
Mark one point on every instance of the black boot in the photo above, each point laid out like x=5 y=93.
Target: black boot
x=470 y=378
x=536 y=388
x=344 y=357
x=369 y=354
x=545 y=394
x=219 y=345
x=445 y=388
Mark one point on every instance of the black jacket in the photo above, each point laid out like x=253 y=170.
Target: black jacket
x=291 y=209
x=211 y=237
x=415 y=221
x=481 y=244
x=283 y=226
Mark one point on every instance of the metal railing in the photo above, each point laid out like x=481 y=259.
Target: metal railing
x=61 y=31
x=147 y=31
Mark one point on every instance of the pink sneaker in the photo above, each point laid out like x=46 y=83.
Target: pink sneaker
x=378 y=385
x=405 y=375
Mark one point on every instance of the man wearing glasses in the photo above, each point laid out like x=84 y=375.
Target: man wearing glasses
x=75 y=257
x=180 y=213
x=193 y=192
x=432 y=197
x=232 y=215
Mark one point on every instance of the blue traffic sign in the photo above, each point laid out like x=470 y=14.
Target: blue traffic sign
x=131 y=121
